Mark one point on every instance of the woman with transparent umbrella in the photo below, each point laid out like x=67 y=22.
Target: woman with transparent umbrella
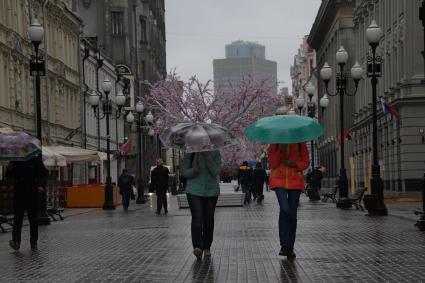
x=201 y=167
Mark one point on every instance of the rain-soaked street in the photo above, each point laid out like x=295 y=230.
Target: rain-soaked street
x=332 y=245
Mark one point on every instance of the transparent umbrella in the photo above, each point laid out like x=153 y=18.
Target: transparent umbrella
x=197 y=137
x=17 y=146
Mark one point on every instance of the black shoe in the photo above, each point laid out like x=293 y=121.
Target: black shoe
x=14 y=245
x=166 y=212
x=284 y=251
x=34 y=246
x=198 y=253
x=291 y=255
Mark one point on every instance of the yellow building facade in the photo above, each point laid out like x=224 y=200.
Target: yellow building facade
x=60 y=89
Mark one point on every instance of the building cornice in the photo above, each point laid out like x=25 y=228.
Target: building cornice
x=324 y=20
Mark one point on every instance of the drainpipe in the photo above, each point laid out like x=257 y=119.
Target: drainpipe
x=30 y=10
x=46 y=64
x=83 y=124
x=85 y=89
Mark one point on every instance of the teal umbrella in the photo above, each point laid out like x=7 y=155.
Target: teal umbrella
x=284 y=129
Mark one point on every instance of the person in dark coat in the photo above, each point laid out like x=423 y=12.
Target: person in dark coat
x=259 y=176
x=125 y=183
x=29 y=180
x=245 y=180
x=315 y=183
x=159 y=182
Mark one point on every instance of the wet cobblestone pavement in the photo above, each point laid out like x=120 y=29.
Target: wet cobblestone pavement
x=113 y=246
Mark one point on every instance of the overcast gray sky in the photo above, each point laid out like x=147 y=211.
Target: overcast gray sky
x=198 y=30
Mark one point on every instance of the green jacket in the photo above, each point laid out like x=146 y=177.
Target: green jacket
x=205 y=184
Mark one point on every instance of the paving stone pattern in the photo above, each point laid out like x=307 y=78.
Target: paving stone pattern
x=113 y=246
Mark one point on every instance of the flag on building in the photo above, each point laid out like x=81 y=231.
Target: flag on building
x=125 y=148
x=346 y=135
x=386 y=108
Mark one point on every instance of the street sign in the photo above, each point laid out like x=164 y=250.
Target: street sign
x=37 y=69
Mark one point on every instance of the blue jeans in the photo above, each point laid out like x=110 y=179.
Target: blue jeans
x=288 y=203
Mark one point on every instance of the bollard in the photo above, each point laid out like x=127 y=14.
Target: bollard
x=421 y=222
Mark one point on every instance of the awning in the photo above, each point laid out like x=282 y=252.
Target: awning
x=52 y=158
x=104 y=156
x=60 y=155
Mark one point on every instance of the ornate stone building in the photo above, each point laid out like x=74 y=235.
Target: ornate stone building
x=332 y=28
x=132 y=33
x=400 y=139
x=60 y=89
x=303 y=71
x=93 y=129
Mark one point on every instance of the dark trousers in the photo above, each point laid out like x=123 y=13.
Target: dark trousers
x=259 y=190
x=288 y=203
x=202 y=227
x=28 y=203
x=246 y=189
x=161 y=199
x=126 y=199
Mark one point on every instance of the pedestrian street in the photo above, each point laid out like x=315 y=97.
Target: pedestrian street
x=333 y=245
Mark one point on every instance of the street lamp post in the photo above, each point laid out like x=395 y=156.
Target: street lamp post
x=140 y=194
x=37 y=69
x=107 y=111
x=311 y=111
x=421 y=222
x=341 y=87
x=140 y=125
x=374 y=202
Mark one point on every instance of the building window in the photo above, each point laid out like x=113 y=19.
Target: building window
x=143 y=69
x=143 y=34
x=117 y=23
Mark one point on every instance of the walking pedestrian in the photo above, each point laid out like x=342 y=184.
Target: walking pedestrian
x=267 y=179
x=287 y=163
x=259 y=176
x=29 y=180
x=159 y=182
x=125 y=184
x=202 y=189
x=245 y=181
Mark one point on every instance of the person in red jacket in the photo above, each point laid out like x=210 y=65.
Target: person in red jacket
x=287 y=163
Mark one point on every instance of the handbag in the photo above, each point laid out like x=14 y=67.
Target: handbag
x=133 y=192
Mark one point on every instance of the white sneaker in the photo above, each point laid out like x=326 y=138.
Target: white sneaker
x=198 y=253
x=207 y=253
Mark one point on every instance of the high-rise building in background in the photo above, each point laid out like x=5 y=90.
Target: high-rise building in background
x=243 y=59
x=244 y=49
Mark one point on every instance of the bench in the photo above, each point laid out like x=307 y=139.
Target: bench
x=331 y=195
x=358 y=198
x=52 y=211
x=224 y=200
x=6 y=219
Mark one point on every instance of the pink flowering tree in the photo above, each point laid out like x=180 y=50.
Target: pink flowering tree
x=234 y=108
